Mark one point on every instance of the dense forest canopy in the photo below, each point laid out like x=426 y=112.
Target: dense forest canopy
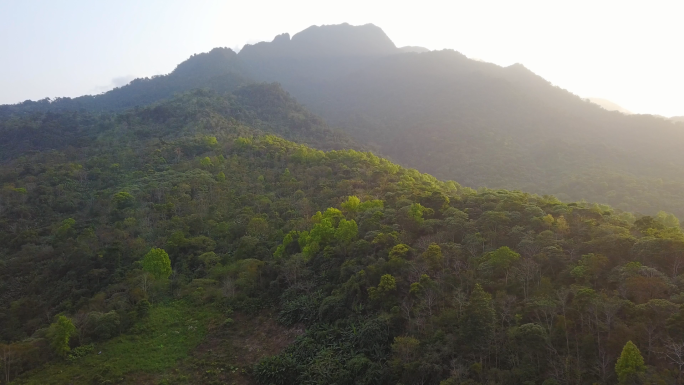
x=158 y=234
x=393 y=275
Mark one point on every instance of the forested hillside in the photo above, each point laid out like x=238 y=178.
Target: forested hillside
x=185 y=243
x=485 y=125
x=442 y=113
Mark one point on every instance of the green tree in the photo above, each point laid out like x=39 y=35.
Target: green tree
x=123 y=200
x=399 y=251
x=66 y=229
x=157 y=263
x=258 y=227
x=210 y=141
x=351 y=205
x=667 y=219
x=387 y=285
x=502 y=259
x=630 y=364
x=346 y=231
x=589 y=267
x=416 y=212
x=143 y=308
x=477 y=323
x=60 y=333
x=433 y=256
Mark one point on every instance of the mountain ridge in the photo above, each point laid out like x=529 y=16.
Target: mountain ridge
x=391 y=99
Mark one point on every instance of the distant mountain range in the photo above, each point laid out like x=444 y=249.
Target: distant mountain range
x=438 y=111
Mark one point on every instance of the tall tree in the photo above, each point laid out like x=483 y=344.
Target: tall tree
x=477 y=323
x=157 y=263
x=630 y=364
x=60 y=333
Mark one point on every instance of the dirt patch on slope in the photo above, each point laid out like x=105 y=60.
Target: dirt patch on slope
x=230 y=350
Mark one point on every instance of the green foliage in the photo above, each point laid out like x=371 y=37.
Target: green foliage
x=400 y=251
x=211 y=141
x=157 y=263
x=60 y=332
x=154 y=345
x=416 y=212
x=123 y=200
x=346 y=231
x=143 y=308
x=503 y=258
x=351 y=205
x=477 y=324
x=80 y=351
x=576 y=279
x=630 y=364
x=277 y=370
x=387 y=285
x=433 y=255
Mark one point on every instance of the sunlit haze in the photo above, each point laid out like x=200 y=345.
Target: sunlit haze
x=626 y=52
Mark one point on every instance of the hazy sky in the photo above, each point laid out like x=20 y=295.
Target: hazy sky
x=629 y=52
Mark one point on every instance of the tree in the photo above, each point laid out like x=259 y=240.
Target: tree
x=123 y=200
x=351 y=205
x=387 y=285
x=60 y=333
x=630 y=364
x=258 y=227
x=405 y=348
x=589 y=267
x=143 y=308
x=157 y=263
x=477 y=323
x=433 y=256
x=346 y=231
x=416 y=213
x=502 y=259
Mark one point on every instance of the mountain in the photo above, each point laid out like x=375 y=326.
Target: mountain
x=442 y=113
x=219 y=70
x=262 y=106
x=608 y=105
x=677 y=118
x=177 y=243
x=482 y=124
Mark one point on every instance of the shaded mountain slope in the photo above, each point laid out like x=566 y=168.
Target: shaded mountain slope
x=485 y=125
x=262 y=106
x=461 y=119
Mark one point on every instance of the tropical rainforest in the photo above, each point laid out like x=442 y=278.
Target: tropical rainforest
x=205 y=228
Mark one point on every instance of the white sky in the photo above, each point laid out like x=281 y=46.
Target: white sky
x=629 y=52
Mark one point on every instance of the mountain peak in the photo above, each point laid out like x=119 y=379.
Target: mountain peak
x=326 y=40
x=215 y=61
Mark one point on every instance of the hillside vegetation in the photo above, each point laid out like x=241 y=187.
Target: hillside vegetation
x=441 y=113
x=481 y=124
x=156 y=245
